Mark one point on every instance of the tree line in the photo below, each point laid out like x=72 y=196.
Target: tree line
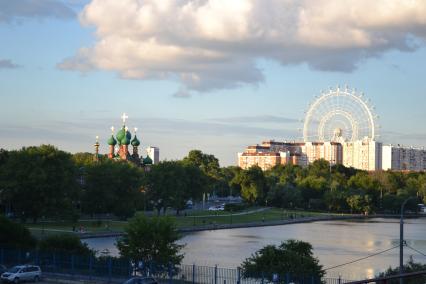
x=45 y=182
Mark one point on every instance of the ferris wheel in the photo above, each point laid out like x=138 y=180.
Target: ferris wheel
x=339 y=114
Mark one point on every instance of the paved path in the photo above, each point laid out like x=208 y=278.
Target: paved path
x=232 y=214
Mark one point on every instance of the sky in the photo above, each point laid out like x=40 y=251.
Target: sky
x=213 y=75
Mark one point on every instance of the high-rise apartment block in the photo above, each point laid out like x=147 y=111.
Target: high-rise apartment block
x=364 y=154
x=154 y=154
x=330 y=151
x=401 y=158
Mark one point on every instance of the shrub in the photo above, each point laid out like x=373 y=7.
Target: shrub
x=65 y=243
x=14 y=235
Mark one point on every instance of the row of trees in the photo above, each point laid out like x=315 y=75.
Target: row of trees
x=339 y=189
x=44 y=182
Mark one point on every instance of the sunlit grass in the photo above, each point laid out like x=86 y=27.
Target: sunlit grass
x=196 y=219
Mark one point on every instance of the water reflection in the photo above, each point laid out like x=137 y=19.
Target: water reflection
x=334 y=243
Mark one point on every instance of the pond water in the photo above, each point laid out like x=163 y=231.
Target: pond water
x=334 y=243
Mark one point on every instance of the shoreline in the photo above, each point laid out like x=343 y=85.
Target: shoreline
x=211 y=227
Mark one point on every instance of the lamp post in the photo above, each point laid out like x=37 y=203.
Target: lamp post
x=401 y=240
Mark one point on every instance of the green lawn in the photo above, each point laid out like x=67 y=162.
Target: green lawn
x=195 y=219
x=236 y=218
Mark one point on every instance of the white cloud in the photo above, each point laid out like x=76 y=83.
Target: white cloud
x=210 y=44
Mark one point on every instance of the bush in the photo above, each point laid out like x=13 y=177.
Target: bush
x=13 y=235
x=65 y=243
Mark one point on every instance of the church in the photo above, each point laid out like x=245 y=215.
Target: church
x=119 y=144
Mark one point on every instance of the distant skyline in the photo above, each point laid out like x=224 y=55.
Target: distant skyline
x=212 y=75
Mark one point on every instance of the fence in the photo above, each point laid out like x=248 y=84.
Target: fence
x=111 y=269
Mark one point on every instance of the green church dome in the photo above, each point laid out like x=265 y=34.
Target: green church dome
x=135 y=141
x=112 y=141
x=121 y=133
x=125 y=141
x=147 y=161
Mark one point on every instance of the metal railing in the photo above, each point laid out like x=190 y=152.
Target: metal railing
x=116 y=270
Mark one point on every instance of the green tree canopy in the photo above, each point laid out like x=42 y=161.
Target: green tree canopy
x=409 y=267
x=285 y=195
x=112 y=187
x=172 y=183
x=253 y=184
x=83 y=159
x=209 y=164
x=290 y=257
x=39 y=181
x=320 y=168
x=151 y=240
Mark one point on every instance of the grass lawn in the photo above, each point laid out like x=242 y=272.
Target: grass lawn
x=195 y=219
x=270 y=214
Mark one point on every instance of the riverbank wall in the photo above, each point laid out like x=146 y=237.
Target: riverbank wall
x=213 y=226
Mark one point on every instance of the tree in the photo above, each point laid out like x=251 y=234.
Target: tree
x=253 y=184
x=320 y=168
x=152 y=241
x=312 y=189
x=4 y=154
x=355 y=202
x=196 y=182
x=285 y=196
x=112 y=187
x=336 y=200
x=65 y=243
x=282 y=174
x=172 y=183
x=209 y=164
x=360 y=203
x=39 y=181
x=422 y=187
x=83 y=159
x=225 y=184
x=396 y=180
x=409 y=267
x=292 y=256
x=13 y=235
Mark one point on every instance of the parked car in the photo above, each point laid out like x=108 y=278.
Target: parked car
x=217 y=208
x=141 y=280
x=20 y=273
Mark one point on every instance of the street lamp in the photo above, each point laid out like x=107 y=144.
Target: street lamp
x=401 y=239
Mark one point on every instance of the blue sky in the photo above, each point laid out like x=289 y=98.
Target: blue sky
x=67 y=74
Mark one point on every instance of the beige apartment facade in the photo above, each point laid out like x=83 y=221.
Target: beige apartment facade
x=364 y=154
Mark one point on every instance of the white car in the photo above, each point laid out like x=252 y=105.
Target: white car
x=22 y=273
x=217 y=208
